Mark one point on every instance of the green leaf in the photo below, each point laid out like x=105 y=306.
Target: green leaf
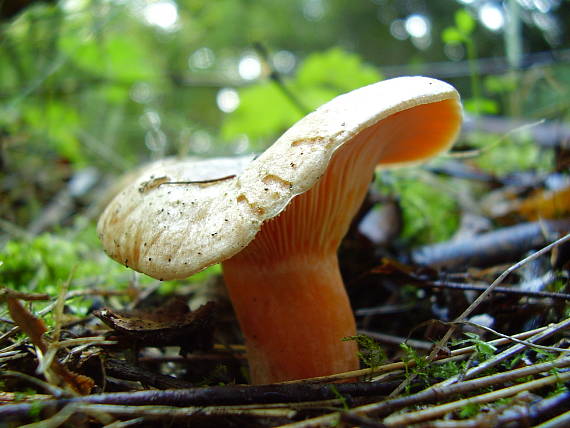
x=263 y=111
x=484 y=349
x=481 y=106
x=337 y=70
x=464 y=22
x=452 y=36
x=117 y=56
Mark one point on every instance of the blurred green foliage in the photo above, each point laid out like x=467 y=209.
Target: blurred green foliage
x=79 y=79
x=506 y=155
x=469 y=410
x=321 y=77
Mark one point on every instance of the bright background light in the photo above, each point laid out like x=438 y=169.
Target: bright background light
x=417 y=26
x=227 y=100
x=491 y=15
x=163 y=14
x=249 y=67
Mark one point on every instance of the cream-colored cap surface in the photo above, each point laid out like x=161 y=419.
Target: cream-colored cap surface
x=178 y=218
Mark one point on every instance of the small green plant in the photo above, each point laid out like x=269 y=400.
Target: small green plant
x=421 y=367
x=425 y=370
x=24 y=395
x=370 y=353
x=469 y=410
x=513 y=362
x=446 y=370
x=544 y=356
x=462 y=33
x=483 y=349
x=560 y=386
x=36 y=410
x=339 y=396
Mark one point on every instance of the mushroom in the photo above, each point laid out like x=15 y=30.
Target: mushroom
x=276 y=222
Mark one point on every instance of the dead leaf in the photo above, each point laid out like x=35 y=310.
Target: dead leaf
x=172 y=324
x=546 y=205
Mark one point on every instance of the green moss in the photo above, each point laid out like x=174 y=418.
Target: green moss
x=43 y=263
x=370 y=353
x=46 y=262
x=508 y=155
x=419 y=369
x=446 y=370
x=429 y=210
x=469 y=410
x=36 y=410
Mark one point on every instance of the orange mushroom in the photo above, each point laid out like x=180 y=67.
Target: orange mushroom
x=276 y=224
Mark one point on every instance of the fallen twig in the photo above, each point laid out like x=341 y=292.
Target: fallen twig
x=560 y=421
x=526 y=412
x=157 y=412
x=221 y=395
x=502 y=245
x=55 y=373
x=9 y=293
x=504 y=290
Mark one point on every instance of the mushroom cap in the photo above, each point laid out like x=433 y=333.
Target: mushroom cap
x=178 y=218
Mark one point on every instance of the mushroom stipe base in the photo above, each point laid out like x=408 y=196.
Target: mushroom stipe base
x=294 y=316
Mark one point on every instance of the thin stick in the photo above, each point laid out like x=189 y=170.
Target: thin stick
x=278 y=80
x=560 y=421
x=212 y=180
x=504 y=290
x=469 y=154
x=522 y=342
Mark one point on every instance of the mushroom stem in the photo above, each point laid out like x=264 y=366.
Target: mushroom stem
x=284 y=310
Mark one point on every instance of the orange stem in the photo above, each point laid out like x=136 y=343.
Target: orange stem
x=293 y=314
